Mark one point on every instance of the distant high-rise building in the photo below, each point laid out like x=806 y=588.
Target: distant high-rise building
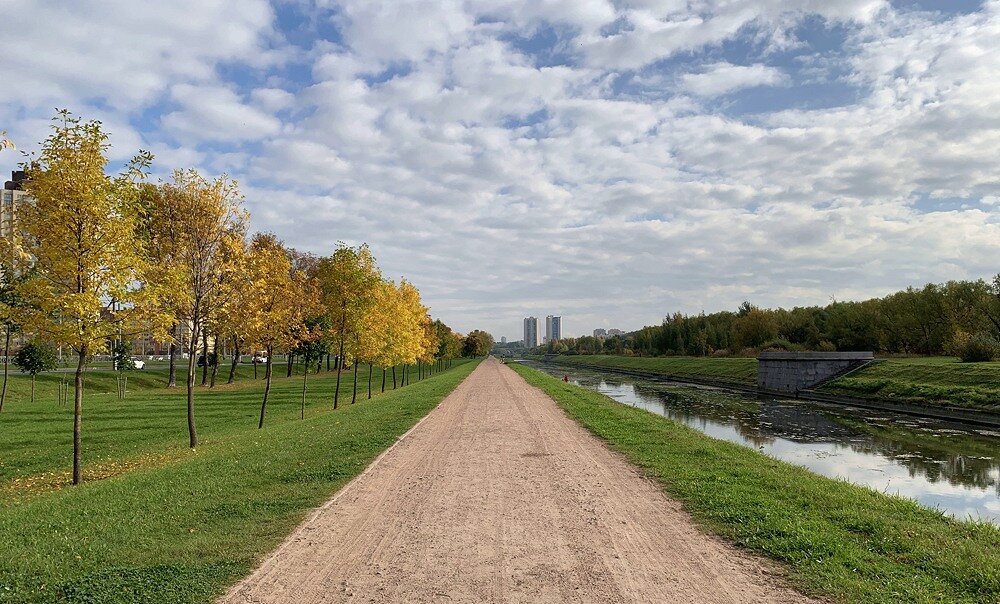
x=503 y=339
x=600 y=332
x=11 y=196
x=553 y=328
x=615 y=332
x=530 y=332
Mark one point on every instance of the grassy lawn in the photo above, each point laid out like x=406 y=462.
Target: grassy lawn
x=169 y=524
x=727 y=369
x=933 y=380
x=841 y=541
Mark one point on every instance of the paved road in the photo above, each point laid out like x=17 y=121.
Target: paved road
x=497 y=496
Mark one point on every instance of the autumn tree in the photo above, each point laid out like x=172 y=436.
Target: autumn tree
x=204 y=215
x=80 y=230
x=347 y=280
x=282 y=298
x=477 y=344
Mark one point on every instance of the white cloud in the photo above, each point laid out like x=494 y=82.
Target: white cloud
x=722 y=78
x=216 y=113
x=504 y=186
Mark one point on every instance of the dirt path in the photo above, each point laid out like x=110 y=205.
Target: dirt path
x=497 y=496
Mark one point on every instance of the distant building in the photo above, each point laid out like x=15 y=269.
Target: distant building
x=615 y=332
x=503 y=339
x=12 y=196
x=600 y=332
x=530 y=332
x=553 y=328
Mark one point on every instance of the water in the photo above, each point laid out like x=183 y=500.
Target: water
x=943 y=465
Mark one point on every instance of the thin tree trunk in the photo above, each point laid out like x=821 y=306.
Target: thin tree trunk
x=319 y=364
x=172 y=379
x=291 y=360
x=340 y=356
x=354 y=394
x=393 y=377
x=328 y=361
x=369 y=381
x=255 y=365
x=305 y=376
x=192 y=360
x=236 y=360
x=78 y=416
x=6 y=367
x=204 y=353
x=267 y=387
x=32 y=388
x=215 y=361
x=383 y=380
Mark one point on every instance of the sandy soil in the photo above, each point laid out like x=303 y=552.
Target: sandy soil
x=497 y=496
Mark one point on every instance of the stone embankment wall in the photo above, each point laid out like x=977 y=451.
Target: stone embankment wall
x=791 y=372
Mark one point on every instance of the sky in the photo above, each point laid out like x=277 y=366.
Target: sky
x=610 y=161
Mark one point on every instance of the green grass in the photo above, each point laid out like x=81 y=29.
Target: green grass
x=841 y=541
x=184 y=527
x=36 y=438
x=931 y=380
x=738 y=370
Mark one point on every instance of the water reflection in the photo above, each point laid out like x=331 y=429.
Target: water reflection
x=947 y=466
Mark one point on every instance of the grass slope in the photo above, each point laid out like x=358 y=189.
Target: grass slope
x=185 y=529
x=727 y=369
x=933 y=380
x=842 y=541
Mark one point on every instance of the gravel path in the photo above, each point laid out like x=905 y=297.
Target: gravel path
x=497 y=496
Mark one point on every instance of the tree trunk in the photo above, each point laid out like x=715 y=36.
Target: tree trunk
x=267 y=387
x=383 y=380
x=172 y=379
x=340 y=357
x=255 y=365
x=215 y=361
x=291 y=361
x=305 y=375
x=32 y=388
x=204 y=353
x=319 y=364
x=6 y=367
x=328 y=361
x=236 y=360
x=192 y=361
x=369 y=381
x=354 y=394
x=393 y=377
x=78 y=416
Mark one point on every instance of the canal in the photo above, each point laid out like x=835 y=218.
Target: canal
x=954 y=468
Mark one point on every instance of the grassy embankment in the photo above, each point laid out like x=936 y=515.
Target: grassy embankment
x=845 y=542
x=166 y=524
x=929 y=380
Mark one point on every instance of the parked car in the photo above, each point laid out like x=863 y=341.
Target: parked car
x=257 y=358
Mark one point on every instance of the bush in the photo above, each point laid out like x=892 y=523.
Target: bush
x=977 y=349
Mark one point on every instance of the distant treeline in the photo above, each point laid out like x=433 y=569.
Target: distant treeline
x=933 y=320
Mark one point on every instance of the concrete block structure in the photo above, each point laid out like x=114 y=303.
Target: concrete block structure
x=790 y=372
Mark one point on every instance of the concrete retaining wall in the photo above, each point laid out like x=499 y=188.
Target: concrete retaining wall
x=790 y=372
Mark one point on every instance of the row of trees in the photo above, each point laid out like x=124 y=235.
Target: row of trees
x=936 y=319
x=95 y=259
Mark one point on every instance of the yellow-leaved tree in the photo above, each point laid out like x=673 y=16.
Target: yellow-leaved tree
x=80 y=229
x=281 y=300
x=348 y=280
x=202 y=216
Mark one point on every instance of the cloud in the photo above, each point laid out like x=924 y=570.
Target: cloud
x=609 y=161
x=723 y=78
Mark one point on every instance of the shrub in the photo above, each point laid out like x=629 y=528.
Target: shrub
x=977 y=349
